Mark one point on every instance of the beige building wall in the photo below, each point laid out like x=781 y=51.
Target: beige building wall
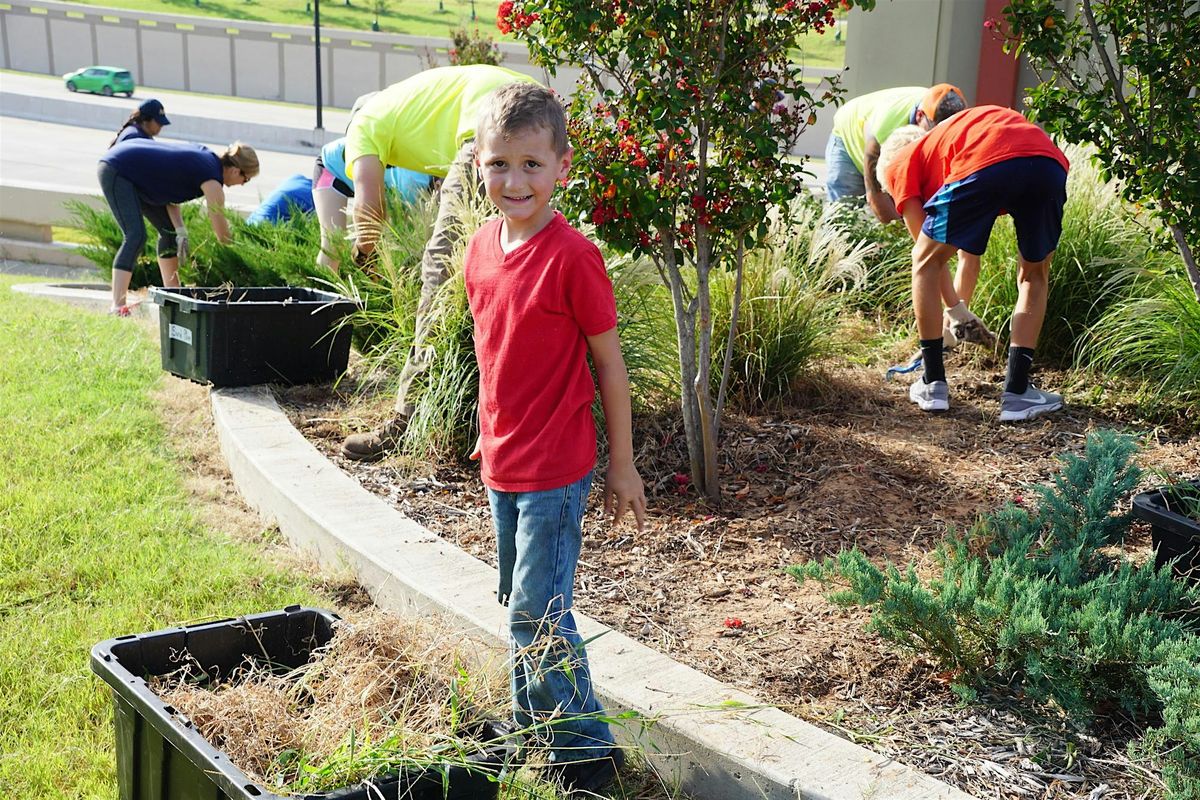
x=914 y=43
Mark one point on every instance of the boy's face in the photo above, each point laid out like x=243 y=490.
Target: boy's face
x=519 y=174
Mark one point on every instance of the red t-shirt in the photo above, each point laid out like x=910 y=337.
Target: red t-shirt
x=533 y=309
x=962 y=145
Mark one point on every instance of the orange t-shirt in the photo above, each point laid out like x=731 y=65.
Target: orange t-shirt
x=962 y=145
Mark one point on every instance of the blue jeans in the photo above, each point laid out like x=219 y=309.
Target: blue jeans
x=842 y=178
x=538 y=536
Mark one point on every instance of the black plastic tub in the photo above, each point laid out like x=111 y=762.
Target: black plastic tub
x=233 y=336
x=1174 y=516
x=161 y=756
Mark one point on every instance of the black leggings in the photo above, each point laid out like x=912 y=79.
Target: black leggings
x=129 y=208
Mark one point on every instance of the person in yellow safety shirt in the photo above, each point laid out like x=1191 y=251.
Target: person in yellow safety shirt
x=862 y=126
x=425 y=123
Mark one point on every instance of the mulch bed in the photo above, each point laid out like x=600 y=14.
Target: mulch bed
x=853 y=464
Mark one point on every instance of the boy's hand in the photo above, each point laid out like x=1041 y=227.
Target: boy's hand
x=623 y=490
x=966 y=327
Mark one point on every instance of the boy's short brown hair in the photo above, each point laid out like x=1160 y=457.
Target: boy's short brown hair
x=520 y=106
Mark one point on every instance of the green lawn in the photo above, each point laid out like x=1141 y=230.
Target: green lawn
x=98 y=538
x=413 y=17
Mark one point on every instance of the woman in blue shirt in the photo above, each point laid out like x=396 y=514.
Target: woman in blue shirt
x=146 y=122
x=148 y=178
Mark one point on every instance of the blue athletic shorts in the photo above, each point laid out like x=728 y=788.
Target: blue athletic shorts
x=1031 y=189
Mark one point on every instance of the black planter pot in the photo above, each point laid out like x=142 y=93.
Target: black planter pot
x=1174 y=527
x=161 y=756
x=244 y=336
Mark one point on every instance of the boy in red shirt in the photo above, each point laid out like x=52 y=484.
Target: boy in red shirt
x=542 y=301
x=950 y=185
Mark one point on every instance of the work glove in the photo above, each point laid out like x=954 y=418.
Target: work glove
x=182 y=250
x=964 y=326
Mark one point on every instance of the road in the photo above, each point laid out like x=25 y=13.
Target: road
x=202 y=105
x=66 y=156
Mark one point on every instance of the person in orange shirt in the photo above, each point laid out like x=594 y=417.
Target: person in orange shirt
x=949 y=186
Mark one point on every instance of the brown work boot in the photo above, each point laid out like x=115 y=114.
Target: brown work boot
x=374 y=445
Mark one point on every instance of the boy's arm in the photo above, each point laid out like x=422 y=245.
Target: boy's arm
x=622 y=484
x=914 y=216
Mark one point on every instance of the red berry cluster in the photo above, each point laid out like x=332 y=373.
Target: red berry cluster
x=509 y=18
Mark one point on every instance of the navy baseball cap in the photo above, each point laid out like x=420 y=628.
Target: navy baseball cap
x=152 y=109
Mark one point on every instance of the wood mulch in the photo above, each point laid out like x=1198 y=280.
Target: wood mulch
x=850 y=464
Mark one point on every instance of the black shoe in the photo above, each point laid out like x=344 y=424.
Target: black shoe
x=592 y=775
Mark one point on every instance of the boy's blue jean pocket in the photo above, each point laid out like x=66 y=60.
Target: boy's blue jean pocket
x=538 y=536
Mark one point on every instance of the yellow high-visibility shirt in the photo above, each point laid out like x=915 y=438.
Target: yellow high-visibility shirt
x=877 y=113
x=420 y=122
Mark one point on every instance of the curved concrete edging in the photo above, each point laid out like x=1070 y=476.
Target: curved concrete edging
x=717 y=741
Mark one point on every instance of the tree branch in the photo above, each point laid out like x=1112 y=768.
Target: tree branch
x=739 y=258
x=1106 y=62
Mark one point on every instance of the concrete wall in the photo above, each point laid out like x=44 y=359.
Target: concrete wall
x=245 y=59
x=914 y=43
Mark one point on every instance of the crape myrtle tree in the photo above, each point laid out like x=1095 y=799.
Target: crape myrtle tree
x=1124 y=76
x=682 y=123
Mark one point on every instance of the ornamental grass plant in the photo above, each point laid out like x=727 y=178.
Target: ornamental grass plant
x=1152 y=336
x=794 y=290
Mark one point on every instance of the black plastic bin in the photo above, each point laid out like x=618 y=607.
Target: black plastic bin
x=160 y=756
x=234 y=336
x=1174 y=527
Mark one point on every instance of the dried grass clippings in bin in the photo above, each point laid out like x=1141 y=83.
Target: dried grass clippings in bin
x=384 y=693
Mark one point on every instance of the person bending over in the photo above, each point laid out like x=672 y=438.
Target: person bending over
x=148 y=178
x=950 y=185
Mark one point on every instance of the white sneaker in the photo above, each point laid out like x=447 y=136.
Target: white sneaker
x=930 y=396
x=1029 y=405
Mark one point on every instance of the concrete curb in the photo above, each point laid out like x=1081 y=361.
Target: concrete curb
x=90 y=295
x=713 y=740
x=718 y=742
x=60 y=254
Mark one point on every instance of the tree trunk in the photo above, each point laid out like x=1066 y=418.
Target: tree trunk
x=703 y=386
x=685 y=332
x=1189 y=259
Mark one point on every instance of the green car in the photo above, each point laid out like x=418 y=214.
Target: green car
x=105 y=80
